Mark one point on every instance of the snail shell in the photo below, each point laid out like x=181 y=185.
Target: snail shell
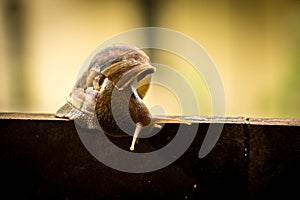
x=121 y=68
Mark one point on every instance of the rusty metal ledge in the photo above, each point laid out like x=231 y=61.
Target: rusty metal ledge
x=42 y=157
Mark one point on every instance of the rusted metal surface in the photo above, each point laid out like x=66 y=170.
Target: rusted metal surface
x=43 y=157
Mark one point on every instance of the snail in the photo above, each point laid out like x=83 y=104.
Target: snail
x=112 y=89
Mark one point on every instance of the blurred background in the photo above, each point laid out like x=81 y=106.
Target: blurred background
x=254 y=44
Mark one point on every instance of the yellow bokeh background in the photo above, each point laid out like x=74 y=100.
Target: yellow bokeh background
x=254 y=44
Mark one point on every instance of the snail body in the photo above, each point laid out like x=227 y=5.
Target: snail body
x=112 y=89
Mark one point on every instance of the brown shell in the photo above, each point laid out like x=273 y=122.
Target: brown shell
x=112 y=63
x=108 y=58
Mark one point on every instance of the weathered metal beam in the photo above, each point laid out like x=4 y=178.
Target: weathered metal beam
x=43 y=157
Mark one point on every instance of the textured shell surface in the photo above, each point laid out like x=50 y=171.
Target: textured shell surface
x=106 y=57
x=115 y=66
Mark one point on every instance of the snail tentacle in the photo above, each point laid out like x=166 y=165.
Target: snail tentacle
x=135 y=135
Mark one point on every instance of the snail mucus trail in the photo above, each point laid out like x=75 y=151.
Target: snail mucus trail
x=116 y=80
